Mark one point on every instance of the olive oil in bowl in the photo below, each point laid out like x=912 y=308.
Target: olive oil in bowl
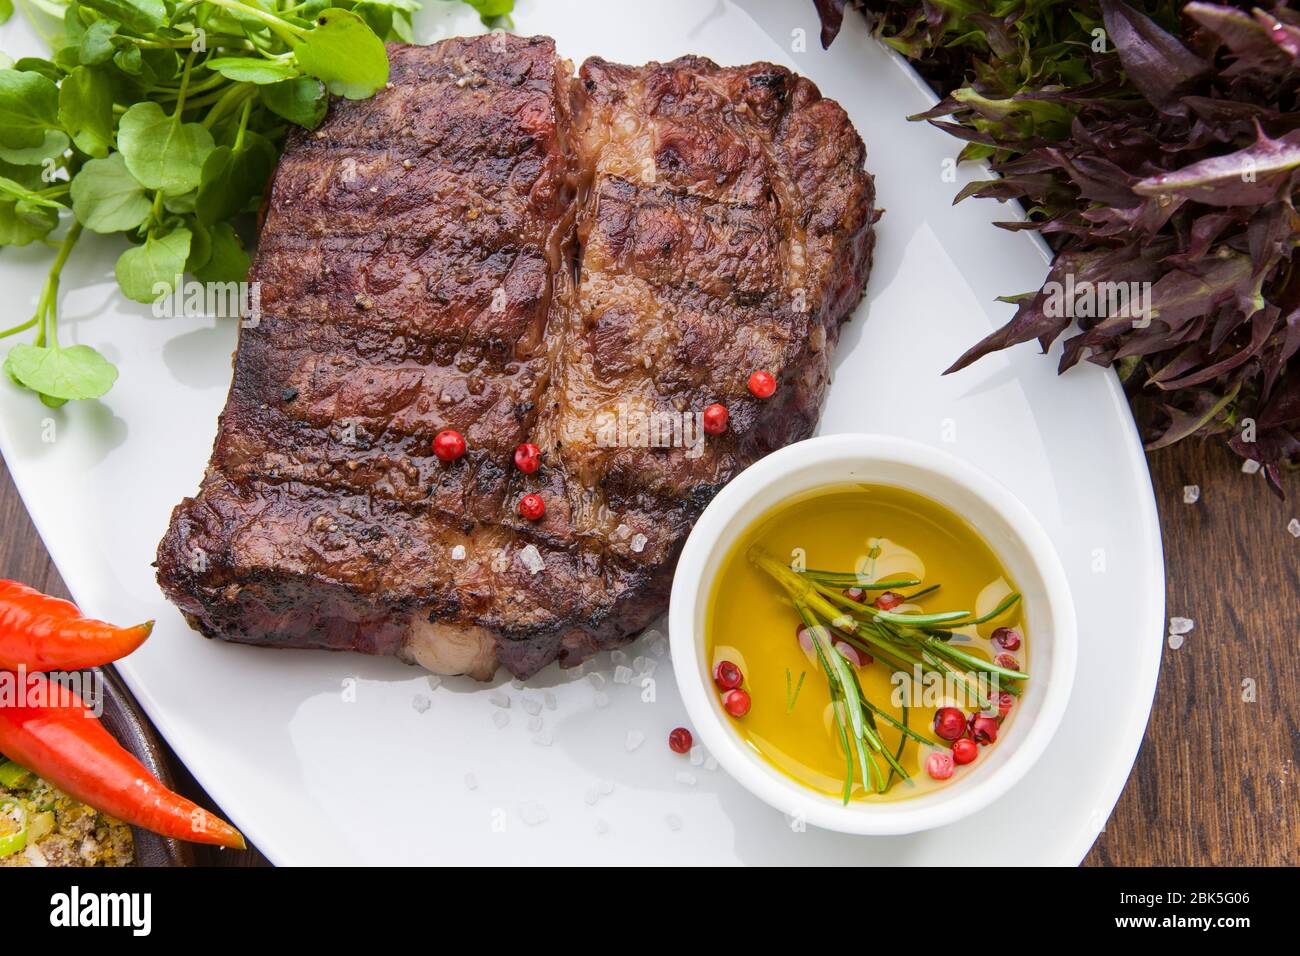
x=826 y=679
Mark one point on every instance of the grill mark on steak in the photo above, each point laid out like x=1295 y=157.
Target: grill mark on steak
x=418 y=264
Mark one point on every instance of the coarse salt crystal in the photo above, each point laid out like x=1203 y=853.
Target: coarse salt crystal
x=638 y=542
x=1181 y=625
x=633 y=740
x=622 y=674
x=597 y=679
x=601 y=828
x=544 y=739
x=471 y=781
x=458 y=553
x=435 y=681
x=549 y=700
x=602 y=699
x=1250 y=466
x=499 y=699
x=685 y=778
x=1175 y=641
x=532 y=705
x=534 y=724
x=697 y=756
x=1191 y=494
x=533 y=813
x=618 y=657
x=500 y=718
x=421 y=703
x=532 y=558
x=674 y=822
x=1294 y=527
x=659 y=647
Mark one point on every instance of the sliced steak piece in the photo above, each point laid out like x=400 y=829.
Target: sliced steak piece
x=417 y=267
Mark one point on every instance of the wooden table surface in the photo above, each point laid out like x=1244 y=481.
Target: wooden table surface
x=1216 y=781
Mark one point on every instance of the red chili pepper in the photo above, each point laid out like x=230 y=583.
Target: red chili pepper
x=70 y=748
x=43 y=633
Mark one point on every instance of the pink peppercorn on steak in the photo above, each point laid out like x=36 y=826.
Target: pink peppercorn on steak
x=494 y=248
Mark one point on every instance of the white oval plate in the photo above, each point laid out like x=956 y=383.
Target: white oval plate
x=324 y=758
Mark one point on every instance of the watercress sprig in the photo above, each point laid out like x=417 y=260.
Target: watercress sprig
x=161 y=121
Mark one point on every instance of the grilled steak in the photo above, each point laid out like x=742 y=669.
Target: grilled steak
x=494 y=247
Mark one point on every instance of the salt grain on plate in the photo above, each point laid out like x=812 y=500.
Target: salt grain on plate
x=697 y=756
x=544 y=739
x=532 y=558
x=622 y=674
x=618 y=657
x=1294 y=527
x=549 y=700
x=421 y=703
x=633 y=740
x=638 y=542
x=685 y=778
x=597 y=679
x=534 y=724
x=1250 y=466
x=1181 y=625
x=659 y=647
x=602 y=699
x=533 y=813
x=532 y=705
x=434 y=681
x=499 y=699
x=674 y=822
x=471 y=781
x=458 y=553
x=1191 y=494
x=601 y=828
x=500 y=718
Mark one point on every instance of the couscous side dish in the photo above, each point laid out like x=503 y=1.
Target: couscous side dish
x=42 y=826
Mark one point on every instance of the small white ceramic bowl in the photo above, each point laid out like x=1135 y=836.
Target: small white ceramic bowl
x=1002 y=520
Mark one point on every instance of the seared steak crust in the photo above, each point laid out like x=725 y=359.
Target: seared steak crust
x=491 y=247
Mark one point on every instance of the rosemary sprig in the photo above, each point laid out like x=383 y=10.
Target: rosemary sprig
x=899 y=641
x=792 y=699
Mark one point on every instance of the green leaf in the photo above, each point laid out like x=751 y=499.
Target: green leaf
x=6 y=10
x=227 y=260
x=138 y=16
x=97 y=44
x=86 y=110
x=37 y=64
x=148 y=271
x=52 y=148
x=231 y=178
x=29 y=105
x=490 y=9
x=22 y=222
x=344 y=52
x=129 y=60
x=107 y=198
x=63 y=374
x=302 y=100
x=251 y=69
x=160 y=152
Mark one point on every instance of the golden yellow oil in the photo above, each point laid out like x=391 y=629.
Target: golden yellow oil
x=752 y=623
